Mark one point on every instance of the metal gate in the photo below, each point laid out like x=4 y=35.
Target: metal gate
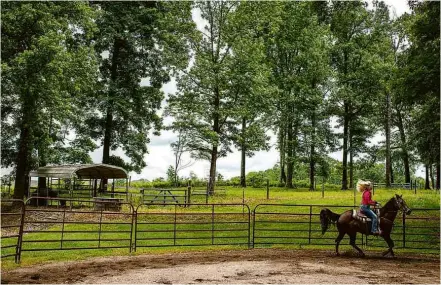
x=275 y=224
x=280 y=224
x=65 y=228
x=198 y=225
x=12 y=217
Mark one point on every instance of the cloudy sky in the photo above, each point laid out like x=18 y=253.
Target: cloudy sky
x=160 y=155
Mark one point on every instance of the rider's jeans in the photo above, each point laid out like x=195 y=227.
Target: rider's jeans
x=369 y=213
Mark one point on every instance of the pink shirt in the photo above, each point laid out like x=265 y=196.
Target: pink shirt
x=367 y=198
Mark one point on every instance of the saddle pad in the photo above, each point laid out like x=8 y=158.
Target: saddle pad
x=357 y=215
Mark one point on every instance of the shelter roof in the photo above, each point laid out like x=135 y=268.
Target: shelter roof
x=81 y=171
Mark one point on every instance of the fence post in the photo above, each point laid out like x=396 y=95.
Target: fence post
x=404 y=230
x=323 y=187
x=134 y=219
x=135 y=216
x=20 y=234
x=310 y=221
x=267 y=189
x=243 y=201
x=188 y=194
x=354 y=197
x=254 y=225
x=174 y=226
x=212 y=224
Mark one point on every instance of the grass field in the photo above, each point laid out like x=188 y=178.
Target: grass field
x=232 y=232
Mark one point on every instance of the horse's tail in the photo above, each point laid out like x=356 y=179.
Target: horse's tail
x=327 y=217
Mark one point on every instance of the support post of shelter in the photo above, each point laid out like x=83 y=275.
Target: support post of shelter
x=127 y=190
x=113 y=188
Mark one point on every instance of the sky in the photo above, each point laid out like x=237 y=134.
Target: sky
x=160 y=155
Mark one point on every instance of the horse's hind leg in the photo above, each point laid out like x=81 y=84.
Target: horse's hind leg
x=352 y=242
x=338 y=240
x=391 y=244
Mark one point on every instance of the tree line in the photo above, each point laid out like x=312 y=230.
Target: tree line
x=79 y=75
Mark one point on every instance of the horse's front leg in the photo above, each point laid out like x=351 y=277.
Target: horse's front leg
x=390 y=244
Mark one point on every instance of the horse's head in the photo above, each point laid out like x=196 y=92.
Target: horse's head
x=401 y=205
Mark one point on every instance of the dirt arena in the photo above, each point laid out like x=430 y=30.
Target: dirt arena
x=257 y=266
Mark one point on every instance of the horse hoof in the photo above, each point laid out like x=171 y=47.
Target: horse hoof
x=362 y=255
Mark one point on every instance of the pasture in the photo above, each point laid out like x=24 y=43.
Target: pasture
x=233 y=222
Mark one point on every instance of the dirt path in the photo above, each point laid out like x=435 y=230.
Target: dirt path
x=257 y=266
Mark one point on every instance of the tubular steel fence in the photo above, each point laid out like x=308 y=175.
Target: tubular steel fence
x=200 y=225
x=64 y=228
x=67 y=225
x=12 y=217
x=293 y=225
x=275 y=224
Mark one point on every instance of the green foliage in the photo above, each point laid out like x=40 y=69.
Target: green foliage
x=48 y=67
x=143 y=40
x=422 y=80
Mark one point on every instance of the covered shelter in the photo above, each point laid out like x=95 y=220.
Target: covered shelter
x=79 y=178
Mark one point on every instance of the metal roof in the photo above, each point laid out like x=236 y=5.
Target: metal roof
x=81 y=171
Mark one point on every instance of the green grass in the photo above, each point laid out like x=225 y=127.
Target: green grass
x=231 y=233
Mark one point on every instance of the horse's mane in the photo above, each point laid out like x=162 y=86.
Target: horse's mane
x=389 y=206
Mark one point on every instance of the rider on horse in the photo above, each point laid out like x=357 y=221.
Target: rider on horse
x=366 y=201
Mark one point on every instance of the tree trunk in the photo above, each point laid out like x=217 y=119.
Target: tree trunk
x=427 y=181
x=432 y=180
x=24 y=148
x=109 y=112
x=23 y=159
x=391 y=173
x=312 y=154
x=387 y=132
x=405 y=154
x=212 y=178
x=344 y=180
x=282 y=134
x=437 y=174
x=243 y=182
x=311 y=169
x=351 y=161
x=290 y=151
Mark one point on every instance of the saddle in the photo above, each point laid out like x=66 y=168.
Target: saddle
x=359 y=215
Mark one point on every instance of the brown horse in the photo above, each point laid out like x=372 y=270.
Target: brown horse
x=347 y=224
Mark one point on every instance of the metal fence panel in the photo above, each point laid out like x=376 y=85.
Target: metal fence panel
x=420 y=230
x=66 y=228
x=281 y=224
x=12 y=218
x=197 y=225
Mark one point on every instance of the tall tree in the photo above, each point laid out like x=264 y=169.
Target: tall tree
x=422 y=85
x=47 y=64
x=136 y=40
x=250 y=78
x=179 y=147
x=355 y=61
x=208 y=93
x=296 y=49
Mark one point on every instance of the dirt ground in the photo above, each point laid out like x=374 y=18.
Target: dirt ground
x=256 y=266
